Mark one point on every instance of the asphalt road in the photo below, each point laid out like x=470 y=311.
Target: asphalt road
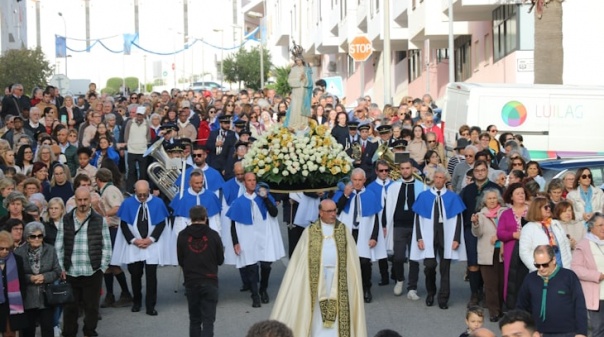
x=235 y=313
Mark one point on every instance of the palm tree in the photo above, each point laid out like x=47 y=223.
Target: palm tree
x=548 y=53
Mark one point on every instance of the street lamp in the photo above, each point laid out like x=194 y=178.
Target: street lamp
x=260 y=16
x=221 y=55
x=65 y=29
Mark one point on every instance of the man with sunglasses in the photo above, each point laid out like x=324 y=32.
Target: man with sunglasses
x=459 y=173
x=211 y=177
x=554 y=297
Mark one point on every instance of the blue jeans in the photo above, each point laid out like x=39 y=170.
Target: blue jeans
x=202 y=299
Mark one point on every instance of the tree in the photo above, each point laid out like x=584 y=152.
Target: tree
x=548 y=53
x=26 y=66
x=244 y=66
x=114 y=85
x=281 y=75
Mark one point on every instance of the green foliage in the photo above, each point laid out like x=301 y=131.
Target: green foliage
x=26 y=66
x=244 y=66
x=282 y=85
x=149 y=87
x=132 y=83
x=109 y=91
x=113 y=85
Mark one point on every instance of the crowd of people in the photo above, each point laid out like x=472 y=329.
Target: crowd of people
x=78 y=203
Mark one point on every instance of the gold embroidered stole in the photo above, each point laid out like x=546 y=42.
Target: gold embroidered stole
x=330 y=308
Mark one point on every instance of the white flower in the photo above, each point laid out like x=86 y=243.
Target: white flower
x=285 y=173
x=260 y=164
x=322 y=169
x=275 y=170
x=261 y=172
x=304 y=173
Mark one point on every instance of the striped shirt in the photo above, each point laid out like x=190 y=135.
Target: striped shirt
x=80 y=260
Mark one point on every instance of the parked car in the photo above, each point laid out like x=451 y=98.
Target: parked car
x=555 y=168
x=207 y=85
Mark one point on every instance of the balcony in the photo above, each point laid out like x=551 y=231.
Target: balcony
x=399 y=12
x=280 y=27
x=425 y=23
x=256 y=6
x=325 y=42
x=473 y=10
x=375 y=31
x=362 y=12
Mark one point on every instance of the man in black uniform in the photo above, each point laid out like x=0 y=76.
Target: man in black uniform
x=221 y=144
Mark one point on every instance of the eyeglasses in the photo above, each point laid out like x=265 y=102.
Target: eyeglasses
x=494 y=131
x=480 y=170
x=229 y=105
x=546 y=207
x=585 y=176
x=212 y=111
x=197 y=155
x=133 y=97
x=431 y=141
x=469 y=156
x=542 y=265
x=6 y=249
x=39 y=237
x=516 y=164
x=465 y=133
x=142 y=195
x=384 y=170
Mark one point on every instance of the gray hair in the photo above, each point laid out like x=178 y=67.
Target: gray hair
x=494 y=174
x=38 y=198
x=592 y=221
x=483 y=198
x=109 y=117
x=513 y=144
x=358 y=171
x=545 y=249
x=154 y=115
x=443 y=171
x=32 y=227
x=14 y=196
x=32 y=208
x=472 y=148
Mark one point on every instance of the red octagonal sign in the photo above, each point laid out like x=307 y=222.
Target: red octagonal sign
x=360 y=48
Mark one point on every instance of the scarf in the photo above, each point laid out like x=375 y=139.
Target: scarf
x=546 y=280
x=33 y=256
x=586 y=196
x=15 y=301
x=492 y=213
x=547 y=228
x=591 y=237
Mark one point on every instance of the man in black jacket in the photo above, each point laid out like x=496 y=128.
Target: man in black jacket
x=200 y=252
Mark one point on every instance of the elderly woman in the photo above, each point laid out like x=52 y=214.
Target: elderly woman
x=41 y=267
x=498 y=177
x=588 y=264
x=490 y=249
x=15 y=203
x=6 y=187
x=586 y=198
x=574 y=229
x=39 y=202
x=554 y=192
x=568 y=180
x=509 y=228
x=60 y=184
x=15 y=228
x=543 y=230
x=54 y=219
x=12 y=288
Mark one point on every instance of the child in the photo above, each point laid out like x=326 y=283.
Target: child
x=474 y=320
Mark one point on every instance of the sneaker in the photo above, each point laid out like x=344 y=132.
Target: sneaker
x=109 y=301
x=57 y=331
x=398 y=288
x=124 y=301
x=412 y=295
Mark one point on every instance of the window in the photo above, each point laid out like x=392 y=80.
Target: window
x=415 y=64
x=442 y=54
x=463 y=58
x=399 y=56
x=413 y=4
x=351 y=66
x=487 y=49
x=505 y=31
x=476 y=59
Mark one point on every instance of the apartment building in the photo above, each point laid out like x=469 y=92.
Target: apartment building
x=493 y=41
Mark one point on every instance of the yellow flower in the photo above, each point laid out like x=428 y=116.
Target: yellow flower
x=334 y=170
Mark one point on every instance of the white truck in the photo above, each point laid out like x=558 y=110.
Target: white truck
x=554 y=120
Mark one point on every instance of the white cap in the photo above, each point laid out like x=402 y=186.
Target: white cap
x=141 y=110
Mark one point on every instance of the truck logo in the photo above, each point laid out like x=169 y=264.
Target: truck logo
x=513 y=113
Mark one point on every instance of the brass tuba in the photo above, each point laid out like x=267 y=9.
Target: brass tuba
x=162 y=172
x=357 y=151
x=384 y=153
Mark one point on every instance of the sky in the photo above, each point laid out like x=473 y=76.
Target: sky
x=161 y=30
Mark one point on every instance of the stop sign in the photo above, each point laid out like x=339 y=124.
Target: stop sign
x=360 y=48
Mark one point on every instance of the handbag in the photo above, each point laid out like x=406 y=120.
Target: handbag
x=58 y=293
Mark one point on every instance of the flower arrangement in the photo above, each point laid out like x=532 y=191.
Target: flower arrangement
x=311 y=160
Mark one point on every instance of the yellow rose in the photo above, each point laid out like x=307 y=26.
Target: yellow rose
x=333 y=170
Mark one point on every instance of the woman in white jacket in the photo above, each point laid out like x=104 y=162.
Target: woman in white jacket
x=543 y=230
x=586 y=198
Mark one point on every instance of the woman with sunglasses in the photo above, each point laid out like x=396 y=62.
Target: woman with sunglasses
x=543 y=230
x=587 y=264
x=12 y=313
x=41 y=268
x=585 y=197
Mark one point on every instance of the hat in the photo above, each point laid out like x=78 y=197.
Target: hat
x=240 y=123
x=176 y=147
x=185 y=141
x=399 y=144
x=185 y=104
x=353 y=125
x=238 y=144
x=364 y=127
x=462 y=143
x=207 y=94
x=245 y=132
x=383 y=129
x=224 y=118
x=169 y=127
x=141 y=110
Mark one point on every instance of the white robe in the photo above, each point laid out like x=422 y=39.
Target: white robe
x=308 y=209
x=261 y=241
x=125 y=253
x=366 y=224
x=230 y=258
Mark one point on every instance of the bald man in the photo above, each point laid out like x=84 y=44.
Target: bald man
x=140 y=245
x=482 y=332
